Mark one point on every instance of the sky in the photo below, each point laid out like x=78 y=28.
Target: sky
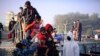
x=49 y=8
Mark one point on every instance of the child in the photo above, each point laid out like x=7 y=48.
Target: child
x=34 y=26
x=41 y=41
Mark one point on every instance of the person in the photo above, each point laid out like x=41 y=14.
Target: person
x=1 y=29
x=41 y=42
x=70 y=32
x=22 y=50
x=51 y=49
x=20 y=13
x=79 y=29
x=70 y=47
x=29 y=14
x=21 y=21
x=34 y=26
x=58 y=40
x=11 y=25
x=74 y=29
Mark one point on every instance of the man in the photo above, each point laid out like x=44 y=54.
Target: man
x=20 y=19
x=79 y=30
x=41 y=42
x=70 y=48
x=11 y=25
x=1 y=28
x=75 y=33
x=29 y=14
x=20 y=13
x=51 y=48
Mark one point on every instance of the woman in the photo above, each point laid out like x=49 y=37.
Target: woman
x=51 y=49
x=41 y=42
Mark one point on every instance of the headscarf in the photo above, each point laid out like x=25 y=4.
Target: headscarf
x=48 y=26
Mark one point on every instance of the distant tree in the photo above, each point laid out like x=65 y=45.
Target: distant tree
x=94 y=16
x=91 y=21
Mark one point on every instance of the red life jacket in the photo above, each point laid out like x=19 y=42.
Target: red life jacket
x=40 y=36
x=41 y=39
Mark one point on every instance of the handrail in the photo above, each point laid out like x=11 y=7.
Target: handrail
x=15 y=26
x=18 y=30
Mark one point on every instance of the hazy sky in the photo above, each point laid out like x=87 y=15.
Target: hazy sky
x=49 y=8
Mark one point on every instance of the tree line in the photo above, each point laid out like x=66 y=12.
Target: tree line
x=89 y=22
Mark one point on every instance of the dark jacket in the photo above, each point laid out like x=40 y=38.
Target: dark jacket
x=30 y=14
x=11 y=25
x=80 y=27
x=1 y=26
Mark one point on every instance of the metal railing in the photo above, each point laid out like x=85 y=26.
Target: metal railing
x=18 y=30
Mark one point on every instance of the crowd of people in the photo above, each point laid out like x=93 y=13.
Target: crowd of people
x=70 y=46
x=38 y=40
x=40 y=45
